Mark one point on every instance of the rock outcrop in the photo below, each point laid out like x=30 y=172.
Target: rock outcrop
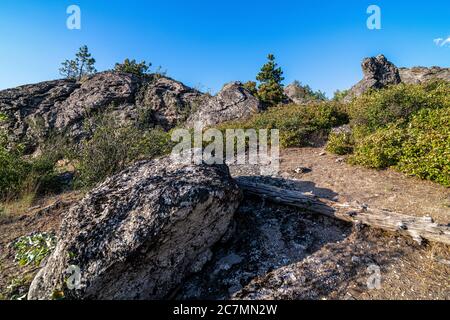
x=170 y=101
x=295 y=94
x=141 y=232
x=61 y=106
x=378 y=73
x=233 y=102
x=421 y=74
x=299 y=94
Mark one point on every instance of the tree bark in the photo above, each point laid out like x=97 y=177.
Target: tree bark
x=419 y=228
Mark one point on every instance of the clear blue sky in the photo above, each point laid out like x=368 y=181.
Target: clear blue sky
x=208 y=43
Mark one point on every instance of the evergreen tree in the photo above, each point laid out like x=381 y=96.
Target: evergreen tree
x=131 y=66
x=82 y=65
x=270 y=89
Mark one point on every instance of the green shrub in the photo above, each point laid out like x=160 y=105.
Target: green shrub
x=113 y=146
x=406 y=127
x=379 y=150
x=13 y=172
x=420 y=148
x=20 y=176
x=377 y=109
x=426 y=151
x=340 y=143
x=295 y=122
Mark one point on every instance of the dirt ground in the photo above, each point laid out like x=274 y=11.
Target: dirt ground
x=275 y=252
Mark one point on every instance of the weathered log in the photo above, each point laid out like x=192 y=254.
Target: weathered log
x=418 y=228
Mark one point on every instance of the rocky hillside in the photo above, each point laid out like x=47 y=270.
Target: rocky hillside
x=36 y=111
x=60 y=107
x=160 y=229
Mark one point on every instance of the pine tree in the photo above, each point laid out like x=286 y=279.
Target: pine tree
x=270 y=89
x=132 y=66
x=82 y=65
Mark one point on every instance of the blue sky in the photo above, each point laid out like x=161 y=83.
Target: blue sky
x=208 y=43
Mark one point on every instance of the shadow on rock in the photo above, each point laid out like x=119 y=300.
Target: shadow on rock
x=265 y=237
x=278 y=252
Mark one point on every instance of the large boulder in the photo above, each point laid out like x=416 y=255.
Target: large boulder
x=96 y=94
x=141 y=232
x=170 y=102
x=378 y=73
x=233 y=102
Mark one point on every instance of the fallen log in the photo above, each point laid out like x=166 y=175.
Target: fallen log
x=419 y=228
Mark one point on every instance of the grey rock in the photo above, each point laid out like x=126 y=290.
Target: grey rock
x=378 y=73
x=29 y=108
x=96 y=94
x=233 y=102
x=170 y=101
x=296 y=93
x=421 y=74
x=344 y=129
x=142 y=232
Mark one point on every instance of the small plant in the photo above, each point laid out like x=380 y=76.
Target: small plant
x=379 y=150
x=32 y=249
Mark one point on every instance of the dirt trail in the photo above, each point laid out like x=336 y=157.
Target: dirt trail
x=329 y=176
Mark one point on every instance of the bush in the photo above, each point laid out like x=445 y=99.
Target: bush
x=406 y=127
x=377 y=109
x=13 y=172
x=426 y=151
x=379 y=150
x=340 y=143
x=295 y=122
x=421 y=148
x=113 y=147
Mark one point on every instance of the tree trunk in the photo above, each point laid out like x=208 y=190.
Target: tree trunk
x=418 y=228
